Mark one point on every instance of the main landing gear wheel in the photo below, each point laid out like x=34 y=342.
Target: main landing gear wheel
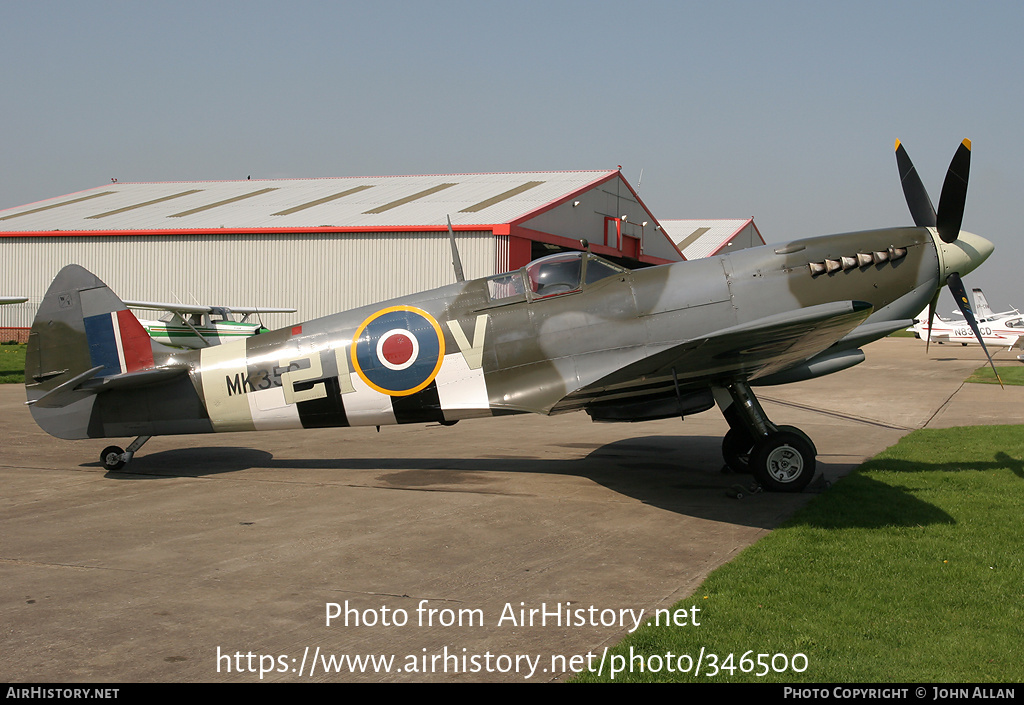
x=112 y=458
x=781 y=458
x=783 y=462
x=797 y=431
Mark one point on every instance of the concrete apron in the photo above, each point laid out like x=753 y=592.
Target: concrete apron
x=218 y=556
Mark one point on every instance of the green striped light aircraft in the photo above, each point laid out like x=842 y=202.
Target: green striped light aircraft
x=194 y=326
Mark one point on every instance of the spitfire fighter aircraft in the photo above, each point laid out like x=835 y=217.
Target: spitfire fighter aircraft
x=567 y=332
x=194 y=326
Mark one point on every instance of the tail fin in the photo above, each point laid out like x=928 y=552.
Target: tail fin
x=981 y=307
x=82 y=336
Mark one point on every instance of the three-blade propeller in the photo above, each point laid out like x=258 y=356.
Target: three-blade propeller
x=947 y=221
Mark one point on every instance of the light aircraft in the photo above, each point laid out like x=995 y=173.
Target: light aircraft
x=567 y=332
x=999 y=329
x=194 y=326
x=1005 y=333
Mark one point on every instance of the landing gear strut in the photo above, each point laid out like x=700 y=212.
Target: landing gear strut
x=781 y=458
x=736 y=448
x=113 y=458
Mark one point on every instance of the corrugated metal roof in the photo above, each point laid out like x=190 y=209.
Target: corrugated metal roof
x=701 y=238
x=348 y=202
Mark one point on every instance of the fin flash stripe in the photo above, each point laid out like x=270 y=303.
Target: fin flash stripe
x=118 y=342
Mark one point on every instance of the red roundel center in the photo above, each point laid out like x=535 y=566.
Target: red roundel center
x=397 y=349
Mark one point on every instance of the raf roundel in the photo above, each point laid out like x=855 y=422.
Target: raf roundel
x=398 y=351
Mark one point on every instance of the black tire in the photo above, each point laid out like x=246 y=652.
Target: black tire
x=111 y=458
x=783 y=462
x=736 y=449
x=797 y=431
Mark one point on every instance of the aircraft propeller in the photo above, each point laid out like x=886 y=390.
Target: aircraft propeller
x=946 y=221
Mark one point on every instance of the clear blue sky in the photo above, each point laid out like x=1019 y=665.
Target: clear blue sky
x=785 y=111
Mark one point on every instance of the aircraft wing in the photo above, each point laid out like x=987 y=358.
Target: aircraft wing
x=258 y=309
x=749 y=351
x=192 y=308
x=170 y=308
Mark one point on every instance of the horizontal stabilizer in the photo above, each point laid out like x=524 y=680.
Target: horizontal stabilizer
x=87 y=383
x=66 y=392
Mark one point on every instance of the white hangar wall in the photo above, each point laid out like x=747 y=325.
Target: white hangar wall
x=317 y=273
x=319 y=245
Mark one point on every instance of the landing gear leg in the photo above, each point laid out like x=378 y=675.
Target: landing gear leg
x=781 y=458
x=113 y=458
x=736 y=448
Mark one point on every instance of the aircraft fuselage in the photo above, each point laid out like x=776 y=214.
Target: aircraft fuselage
x=472 y=349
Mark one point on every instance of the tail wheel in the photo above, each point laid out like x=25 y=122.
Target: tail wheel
x=112 y=458
x=783 y=462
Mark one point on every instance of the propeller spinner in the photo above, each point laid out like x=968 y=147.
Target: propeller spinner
x=959 y=251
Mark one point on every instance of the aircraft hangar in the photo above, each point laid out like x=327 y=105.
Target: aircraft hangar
x=320 y=245
x=707 y=238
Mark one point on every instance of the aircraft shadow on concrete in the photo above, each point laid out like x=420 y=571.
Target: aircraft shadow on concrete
x=682 y=474
x=679 y=474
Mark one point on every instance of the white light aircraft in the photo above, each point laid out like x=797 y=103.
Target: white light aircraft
x=196 y=326
x=998 y=329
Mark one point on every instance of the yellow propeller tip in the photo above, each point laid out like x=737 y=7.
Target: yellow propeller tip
x=897 y=145
x=966 y=143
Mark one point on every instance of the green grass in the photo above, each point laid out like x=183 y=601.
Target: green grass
x=1010 y=375
x=908 y=570
x=12 y=364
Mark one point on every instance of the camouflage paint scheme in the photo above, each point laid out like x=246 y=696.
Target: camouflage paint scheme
x=567 y=332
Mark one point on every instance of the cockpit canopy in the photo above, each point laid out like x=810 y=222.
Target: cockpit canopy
x=555 y=274
x=561 y=273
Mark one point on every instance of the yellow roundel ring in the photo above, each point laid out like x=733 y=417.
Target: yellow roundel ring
x=398 y=350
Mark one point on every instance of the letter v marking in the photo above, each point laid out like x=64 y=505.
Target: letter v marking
x=473 y=354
